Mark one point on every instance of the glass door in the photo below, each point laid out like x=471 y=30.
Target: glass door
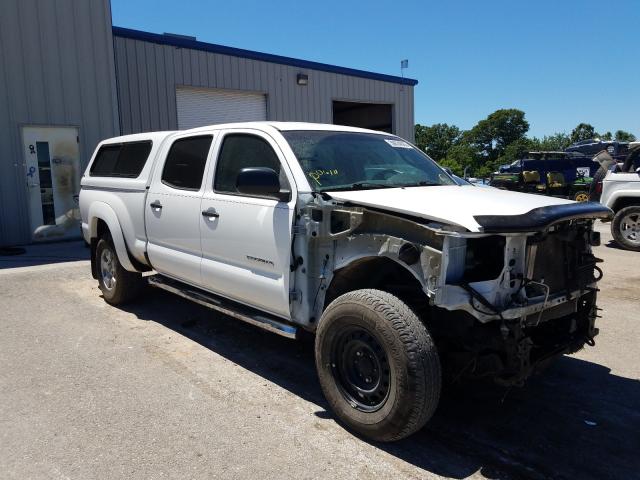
x=52 y=160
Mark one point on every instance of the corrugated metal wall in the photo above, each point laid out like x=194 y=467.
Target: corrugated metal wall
x=148 y=74
x=56 y=68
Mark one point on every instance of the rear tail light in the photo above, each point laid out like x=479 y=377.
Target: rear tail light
x=598 y=187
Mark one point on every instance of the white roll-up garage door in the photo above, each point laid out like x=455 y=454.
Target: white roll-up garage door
x=208 y=106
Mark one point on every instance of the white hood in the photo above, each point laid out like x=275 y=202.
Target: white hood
x=450 y=204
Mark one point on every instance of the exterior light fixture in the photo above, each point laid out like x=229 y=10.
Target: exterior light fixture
x=302 y=79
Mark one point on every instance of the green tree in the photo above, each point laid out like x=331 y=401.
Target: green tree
x=437 y=139
x=622 y=136
x=492 y=135
x=583 y=131
x=454 y=166
x=465 y=156
x=606 y=136
x=517 y=149
x=551 y=143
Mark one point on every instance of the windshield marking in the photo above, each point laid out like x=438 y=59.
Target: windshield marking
x=317 y=174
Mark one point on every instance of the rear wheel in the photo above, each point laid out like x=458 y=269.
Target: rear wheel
x=118 y=285
x=377 y=365
x=625 y=227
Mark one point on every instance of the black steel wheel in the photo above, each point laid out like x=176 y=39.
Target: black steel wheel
x=377 y=364
x=361 y=368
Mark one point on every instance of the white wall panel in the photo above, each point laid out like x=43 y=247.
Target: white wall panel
x=207 y=106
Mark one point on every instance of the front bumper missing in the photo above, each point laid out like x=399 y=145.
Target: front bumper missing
x=537 y=305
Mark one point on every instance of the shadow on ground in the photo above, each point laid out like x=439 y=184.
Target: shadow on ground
x=46 y=253
x=615 y=245
x=577 y=420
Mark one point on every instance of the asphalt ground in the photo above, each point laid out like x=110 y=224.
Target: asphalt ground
x=167 y=389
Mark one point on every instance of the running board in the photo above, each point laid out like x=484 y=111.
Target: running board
x=222 y=305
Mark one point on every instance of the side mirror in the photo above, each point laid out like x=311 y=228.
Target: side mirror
x=261 y=182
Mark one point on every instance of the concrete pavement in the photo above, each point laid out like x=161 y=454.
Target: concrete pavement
x=168 y=389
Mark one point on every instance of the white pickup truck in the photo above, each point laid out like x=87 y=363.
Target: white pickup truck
x=620 y=191
x=405 y=277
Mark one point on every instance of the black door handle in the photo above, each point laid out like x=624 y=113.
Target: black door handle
x=156 y=205
x=210 y=214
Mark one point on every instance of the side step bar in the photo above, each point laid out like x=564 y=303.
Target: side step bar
x=222 y=305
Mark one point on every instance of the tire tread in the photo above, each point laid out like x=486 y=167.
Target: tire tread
x=421 y=353
x=615 y=227
x=128 y=285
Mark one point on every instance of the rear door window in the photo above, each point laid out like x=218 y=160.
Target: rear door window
x=186 y=161
x=121 y=160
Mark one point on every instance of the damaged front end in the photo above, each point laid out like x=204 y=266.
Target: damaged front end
x=516 y=311
x=499 y=304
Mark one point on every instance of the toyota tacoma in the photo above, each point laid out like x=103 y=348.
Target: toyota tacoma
x=406 y=278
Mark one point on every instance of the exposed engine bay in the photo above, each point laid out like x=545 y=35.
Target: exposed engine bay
x=499 y=305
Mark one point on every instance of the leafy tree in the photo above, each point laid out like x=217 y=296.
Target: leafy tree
x=606 y=136
x=583 y=131
x=622 y=136
x=437 y=139
x=552 y=143
x=498 y=139
x=493 y=134
x=516 y=150
x=453 y=165
x=464 y=156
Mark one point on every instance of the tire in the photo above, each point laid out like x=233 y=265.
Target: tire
x=625 y=228
x=377 y=364
x=581 y=196
x=118 y=285
x=594 y=196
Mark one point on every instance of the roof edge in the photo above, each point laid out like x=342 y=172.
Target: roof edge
x=253 y=55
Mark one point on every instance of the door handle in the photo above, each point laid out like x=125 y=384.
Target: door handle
x=156 y=205
x=210 y=213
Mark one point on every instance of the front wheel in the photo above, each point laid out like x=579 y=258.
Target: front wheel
x=118 y=285
x=377 y=364
x=625 y=227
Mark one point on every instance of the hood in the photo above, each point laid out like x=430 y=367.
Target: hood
x=473 y=208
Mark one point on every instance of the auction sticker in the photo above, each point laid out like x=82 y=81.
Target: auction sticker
x=397 y=143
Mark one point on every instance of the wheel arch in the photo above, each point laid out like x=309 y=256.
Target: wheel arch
x=102 y=218
x=378 y=272
x=622 y=201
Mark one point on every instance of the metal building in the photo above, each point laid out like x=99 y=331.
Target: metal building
x=69 y=79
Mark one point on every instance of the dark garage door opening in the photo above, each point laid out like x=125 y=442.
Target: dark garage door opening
x=376 y=116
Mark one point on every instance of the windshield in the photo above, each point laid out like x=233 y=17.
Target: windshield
x=356 y=161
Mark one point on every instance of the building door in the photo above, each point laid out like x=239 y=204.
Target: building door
x=52 y=160
x=375 y=116
x=208 y=106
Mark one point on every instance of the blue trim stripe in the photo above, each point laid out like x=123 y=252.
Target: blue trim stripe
x=265 y=57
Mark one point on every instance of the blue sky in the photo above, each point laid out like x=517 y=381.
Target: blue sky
x=562 y=62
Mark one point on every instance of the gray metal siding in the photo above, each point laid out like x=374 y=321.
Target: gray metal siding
x=56 y=68
x=148 y=74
